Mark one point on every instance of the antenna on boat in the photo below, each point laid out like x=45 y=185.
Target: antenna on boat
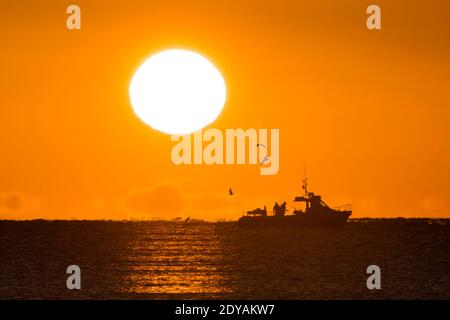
x=305 y=181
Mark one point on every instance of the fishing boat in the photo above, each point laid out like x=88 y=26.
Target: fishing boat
x=316 y=214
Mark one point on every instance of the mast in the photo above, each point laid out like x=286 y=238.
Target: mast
x=305 y=182
x=305 y=188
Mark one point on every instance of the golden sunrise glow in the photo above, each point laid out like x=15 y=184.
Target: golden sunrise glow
x=365 y=111
x=177 y=92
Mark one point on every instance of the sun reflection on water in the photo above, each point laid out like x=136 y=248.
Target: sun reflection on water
x=183 y=259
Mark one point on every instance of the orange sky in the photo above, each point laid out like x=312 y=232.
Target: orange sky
x=367 y=111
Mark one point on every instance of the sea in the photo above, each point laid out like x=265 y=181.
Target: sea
x=219 y=260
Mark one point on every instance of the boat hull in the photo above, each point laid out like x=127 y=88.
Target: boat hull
x=326 y=221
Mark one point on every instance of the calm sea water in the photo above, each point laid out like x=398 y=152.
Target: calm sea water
x=160 y=260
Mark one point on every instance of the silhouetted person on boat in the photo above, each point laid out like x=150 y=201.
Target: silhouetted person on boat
x=230 y=192
x=276 y=208
x=283 y=208
x=279 y=210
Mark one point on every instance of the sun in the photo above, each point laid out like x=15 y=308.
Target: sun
x=177 y=92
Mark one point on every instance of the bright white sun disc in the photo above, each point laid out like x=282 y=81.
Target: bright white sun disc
x=177 y=92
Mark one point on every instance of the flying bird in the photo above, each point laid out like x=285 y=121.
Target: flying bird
x=266 y=158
